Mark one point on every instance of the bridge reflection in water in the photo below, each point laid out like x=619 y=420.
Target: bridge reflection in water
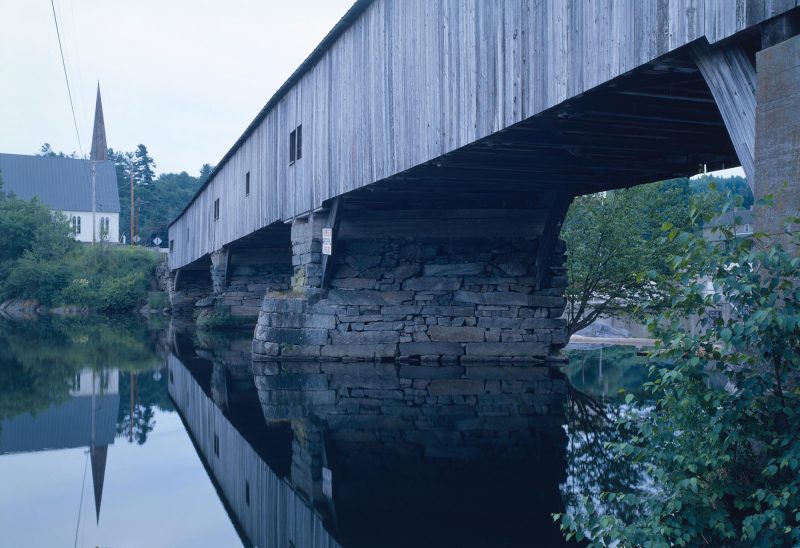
x=313 y=454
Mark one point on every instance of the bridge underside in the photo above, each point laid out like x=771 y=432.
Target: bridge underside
x=458 y=259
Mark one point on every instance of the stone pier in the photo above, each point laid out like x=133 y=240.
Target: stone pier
x=448 y=287
x=228 y=288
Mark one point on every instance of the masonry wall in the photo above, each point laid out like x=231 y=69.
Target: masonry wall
x=185 y=289
x=419 y=297
x=229 y=289
x=242 y=277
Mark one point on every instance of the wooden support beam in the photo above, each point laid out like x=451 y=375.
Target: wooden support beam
x=334 y=215
x=549 y=237
x=177 y=277
x=731 y=77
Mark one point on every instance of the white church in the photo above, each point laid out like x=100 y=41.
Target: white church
x=65 y=185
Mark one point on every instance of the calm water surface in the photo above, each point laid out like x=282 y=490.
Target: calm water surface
x=119 y=435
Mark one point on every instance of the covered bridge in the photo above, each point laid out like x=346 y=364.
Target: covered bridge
x=442 y=142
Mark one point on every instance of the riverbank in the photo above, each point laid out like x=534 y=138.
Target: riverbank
x=82 y=280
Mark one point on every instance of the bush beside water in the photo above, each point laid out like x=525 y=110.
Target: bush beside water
x=39 y=260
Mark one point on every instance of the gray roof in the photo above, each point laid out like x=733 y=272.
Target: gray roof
x=63 y=426
x=64 y=184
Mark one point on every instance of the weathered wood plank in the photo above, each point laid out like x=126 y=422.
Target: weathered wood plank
x=409 y=81
x=732 y=79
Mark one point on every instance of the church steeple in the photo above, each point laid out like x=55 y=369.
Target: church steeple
x=98 y=456
x=99 y=150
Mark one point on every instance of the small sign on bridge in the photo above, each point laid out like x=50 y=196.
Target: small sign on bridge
x=327 y=241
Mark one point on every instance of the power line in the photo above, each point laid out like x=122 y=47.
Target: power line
x=66 y=78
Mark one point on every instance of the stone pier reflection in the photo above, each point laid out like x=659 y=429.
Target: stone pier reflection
x=376 y=454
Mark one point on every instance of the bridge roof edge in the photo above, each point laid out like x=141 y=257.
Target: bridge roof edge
x=344 y=23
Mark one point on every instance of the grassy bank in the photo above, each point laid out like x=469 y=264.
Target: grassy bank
x=40 y=261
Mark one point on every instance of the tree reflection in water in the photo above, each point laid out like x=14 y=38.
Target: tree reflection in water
x=599 y=378
x=42 y=359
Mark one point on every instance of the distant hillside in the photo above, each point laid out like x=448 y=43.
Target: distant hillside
x=735 y=185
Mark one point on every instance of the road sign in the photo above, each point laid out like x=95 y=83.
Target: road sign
x=137 y=239
x=157 y=241
x=327 y=241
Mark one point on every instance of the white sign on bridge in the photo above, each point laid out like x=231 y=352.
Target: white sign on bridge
x=327 y=241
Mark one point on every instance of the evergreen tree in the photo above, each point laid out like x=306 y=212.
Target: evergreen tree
x=145 y=166
x=205 y=172
x=47 y=150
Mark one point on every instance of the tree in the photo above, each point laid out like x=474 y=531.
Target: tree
x=205 y=172
x=610 y=238
x=161 y=200
x=33 y=240
x=724 y=464
x=144 y=166
x=47 y=150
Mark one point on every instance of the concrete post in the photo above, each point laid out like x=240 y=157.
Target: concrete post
x=777 y=150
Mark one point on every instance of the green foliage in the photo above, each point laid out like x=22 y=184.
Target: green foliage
x=144 y=166
x=724 y=464
x=158 y=199
x=157 y=300
x=613 y=238
x=47 y=150
x=110 y=279
x=219 y=318
x=39 y=359
x=610 y=238
x=32 y=242
x=39 y=260
x=735 y=186
x=593 y=371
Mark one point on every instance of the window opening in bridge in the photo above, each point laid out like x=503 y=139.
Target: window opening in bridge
x=171 y=245
x=247 y=493
x=216 y=445
x=216 y=209
x=295 y=144
x=247 y=184
x=171 y=378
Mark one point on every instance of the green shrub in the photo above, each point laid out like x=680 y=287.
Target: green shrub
x=122 y=292
x=157 y=300
x=724 y=465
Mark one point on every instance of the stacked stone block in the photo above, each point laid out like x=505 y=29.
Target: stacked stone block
x=440 y=410
x=234 y=285
x=193 y=287
x=417 y=298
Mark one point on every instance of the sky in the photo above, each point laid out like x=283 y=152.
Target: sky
x=156 y=494
x=183 y=77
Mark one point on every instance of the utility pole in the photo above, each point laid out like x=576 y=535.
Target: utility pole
x=138 y=210
x=130 y=168
x=94 y=201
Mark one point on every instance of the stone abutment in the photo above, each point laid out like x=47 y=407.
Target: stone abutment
x=446 y=287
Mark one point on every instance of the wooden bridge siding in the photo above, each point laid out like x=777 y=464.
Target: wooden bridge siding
x=276 y=514
x=412 y=80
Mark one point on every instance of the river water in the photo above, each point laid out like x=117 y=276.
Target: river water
x=121 y=434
